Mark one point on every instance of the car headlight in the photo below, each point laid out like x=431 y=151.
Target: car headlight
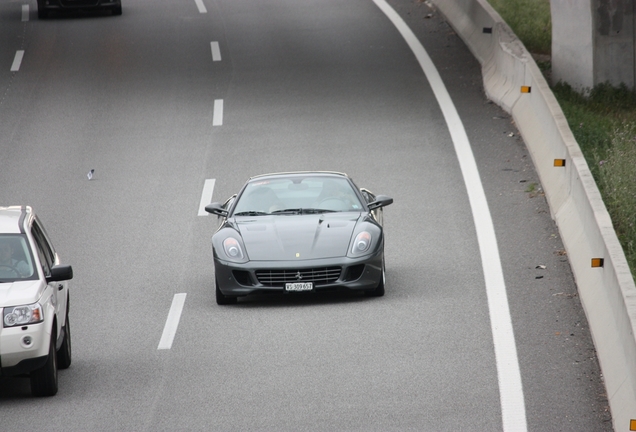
x=232 y=249
x=21 y=315
x=362 y=243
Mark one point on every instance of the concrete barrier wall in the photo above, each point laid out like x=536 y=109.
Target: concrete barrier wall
x=608 y=294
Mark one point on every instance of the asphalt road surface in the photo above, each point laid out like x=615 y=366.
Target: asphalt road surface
x=173 y=96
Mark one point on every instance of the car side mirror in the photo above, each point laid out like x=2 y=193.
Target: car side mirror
x=60 y=273
x=216 y=208
x=380 y=201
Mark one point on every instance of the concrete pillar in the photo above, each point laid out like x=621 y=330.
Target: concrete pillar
x=614 y=42
x=593 y=42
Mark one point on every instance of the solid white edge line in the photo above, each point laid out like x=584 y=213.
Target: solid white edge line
x=217 y=117
x=216 y=51
x=206 y=196
x=172 y=322
x=17 y=61
x=513 y=411
x=201 y=6
x=25 y=12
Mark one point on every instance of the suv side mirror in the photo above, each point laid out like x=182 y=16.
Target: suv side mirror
x=60 y=273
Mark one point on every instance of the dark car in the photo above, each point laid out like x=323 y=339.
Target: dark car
x=299 y=232
x=46 y=6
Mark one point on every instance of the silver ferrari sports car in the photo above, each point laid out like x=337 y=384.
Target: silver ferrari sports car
x=299 y=232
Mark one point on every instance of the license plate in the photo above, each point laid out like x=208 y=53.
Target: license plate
x=299 y=286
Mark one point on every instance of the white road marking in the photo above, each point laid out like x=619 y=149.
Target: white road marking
x=201 y=6
x=172 y=322
x=513 y=411
x=216 y=51
x=217 y=117
x=206 y=196
x=25 y=12
x=17 y=61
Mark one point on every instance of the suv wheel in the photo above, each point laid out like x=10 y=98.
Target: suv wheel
x=64 y=354
x=44 y=380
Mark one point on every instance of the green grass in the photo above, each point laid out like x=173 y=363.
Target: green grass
x=602 y=121
x=530 y=20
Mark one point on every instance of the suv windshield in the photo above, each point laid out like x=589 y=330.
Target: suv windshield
x=297 y=195
x=16 y=261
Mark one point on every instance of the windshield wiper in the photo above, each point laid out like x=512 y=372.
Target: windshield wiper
x=316 y=210
x=288 y=211
x=251 y=213
x=303 y=211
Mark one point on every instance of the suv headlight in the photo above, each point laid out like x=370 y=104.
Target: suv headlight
x=21 y=315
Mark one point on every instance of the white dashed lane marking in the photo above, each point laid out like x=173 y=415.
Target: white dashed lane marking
x=172 y=322
x=201 y=6
x=17 y=61
x=206 y=196
x=217 y=118
x=216 y=51
x=25 y=12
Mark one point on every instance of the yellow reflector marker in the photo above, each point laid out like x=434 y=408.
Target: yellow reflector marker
x=525 y=89
x=597 y=262
x=559 y=162
x=632 y=425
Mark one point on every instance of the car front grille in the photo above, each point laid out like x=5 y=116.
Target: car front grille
x=278 y=278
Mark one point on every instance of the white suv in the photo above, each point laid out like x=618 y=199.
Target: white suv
x=35 y=335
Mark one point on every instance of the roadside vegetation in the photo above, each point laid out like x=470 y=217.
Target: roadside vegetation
x=603 y=121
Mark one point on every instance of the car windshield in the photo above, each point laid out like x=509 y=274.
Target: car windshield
x=297 y=195
x=16 y=261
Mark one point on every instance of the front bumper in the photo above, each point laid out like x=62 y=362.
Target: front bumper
x=23 y=347
x=356 y=274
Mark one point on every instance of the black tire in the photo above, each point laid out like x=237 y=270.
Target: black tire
x=64 y=353
x=379 y=290
x=117 y=9
x=223 y=299
x=44 y=380
x=42 y=12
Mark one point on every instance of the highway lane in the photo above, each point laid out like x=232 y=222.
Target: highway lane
x=317 y=85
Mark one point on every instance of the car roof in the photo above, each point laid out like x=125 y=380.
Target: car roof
x=295 y=173
x=12 y=219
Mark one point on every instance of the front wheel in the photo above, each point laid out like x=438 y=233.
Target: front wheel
x=222 y=299
x=379 y=290
x=42 y=12
x=64 y=353
x=44 y=380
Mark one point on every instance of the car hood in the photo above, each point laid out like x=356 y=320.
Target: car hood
x=294 y=237
x=20 y=292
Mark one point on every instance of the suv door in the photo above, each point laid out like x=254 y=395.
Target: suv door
x=48 y=258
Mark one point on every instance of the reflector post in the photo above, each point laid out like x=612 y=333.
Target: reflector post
x=525 y=89
x=559 y=162
x=597 y=262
